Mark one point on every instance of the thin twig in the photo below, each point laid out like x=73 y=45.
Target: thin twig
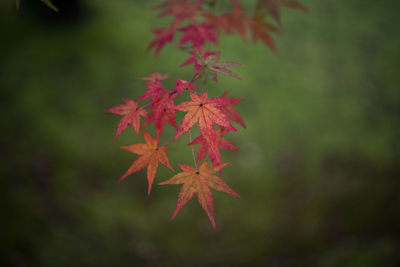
x=190 y=131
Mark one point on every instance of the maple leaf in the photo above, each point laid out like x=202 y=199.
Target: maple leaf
x=226 y=105
x=181 y=9
x=156 y=76
x=220 y=22
x=150 y=155
x=261 y=30
x=198 y=182
x=131 y=115
x=155 y=90
x=197 y=34
x=236 y=20
x=193 y=60
x=204 y=146
x=205 y=112
x=163 y=36
x=273 y=6
x=230 y=21
x=182 y=85
x=211 y=66
x=164 y=111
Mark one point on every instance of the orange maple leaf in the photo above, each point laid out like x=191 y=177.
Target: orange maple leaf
x=198 y=182
x=151 y=154
x=131 y=115
x=205 y=111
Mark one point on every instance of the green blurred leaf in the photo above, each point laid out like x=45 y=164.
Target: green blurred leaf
x=50 y=4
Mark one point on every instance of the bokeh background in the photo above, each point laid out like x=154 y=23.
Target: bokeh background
x=319 y=166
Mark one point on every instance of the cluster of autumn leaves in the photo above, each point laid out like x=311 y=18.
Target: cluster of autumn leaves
x=213 y=115
x=264 y=21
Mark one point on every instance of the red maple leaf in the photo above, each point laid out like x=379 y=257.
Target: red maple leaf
x=205 y=148
x=156 y=76
x=197 y=34
x=155 y=90
x=181 y=9
x=261 y=30
x=150 y=155
x=226 y=105
x=164 y=111
x=230 y=21
x=198 y=182
x=163 y=36
x=131 y=115
x=205 y=112
x=182 y=85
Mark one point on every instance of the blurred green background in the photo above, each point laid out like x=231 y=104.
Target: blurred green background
x=319 y=166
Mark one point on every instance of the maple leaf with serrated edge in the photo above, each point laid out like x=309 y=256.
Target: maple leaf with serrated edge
x=163 y=36
x=181 y=9
x=236 y=20
x=198 y=182
x=156 y=76
x=197 y=34
x=261 y=30
x=131 y=115
x=164 y=111
x=182 y=85
x=205 y=112
x=204 y=146
x=230 y=21
x=154 y=92
x=273 y=7
x=193 y=60
x=226 y=105
x=211 y=66
x=150 y=155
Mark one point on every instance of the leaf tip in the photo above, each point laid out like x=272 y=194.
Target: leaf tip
x=213 y=223
x=121 y=179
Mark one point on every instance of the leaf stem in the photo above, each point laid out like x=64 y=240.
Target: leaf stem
x=193 y=155
x=190 y=131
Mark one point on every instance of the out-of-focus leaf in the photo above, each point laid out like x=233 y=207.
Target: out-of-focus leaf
x=50 y=4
